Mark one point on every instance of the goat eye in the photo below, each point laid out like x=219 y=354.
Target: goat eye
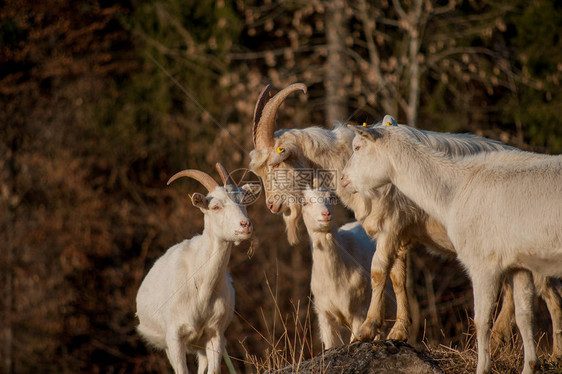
x=216 y=207
x=356 y=148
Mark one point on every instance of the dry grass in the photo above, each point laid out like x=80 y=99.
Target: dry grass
x=291 y=341
x=507 y=359
x=288 y=337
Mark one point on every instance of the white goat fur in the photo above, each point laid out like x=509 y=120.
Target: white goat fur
x=186 y=300
x=501 y=210
x=341 y=259
x=387 y=214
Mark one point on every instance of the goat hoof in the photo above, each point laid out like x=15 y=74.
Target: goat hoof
x=398 y=333
x=366 y=332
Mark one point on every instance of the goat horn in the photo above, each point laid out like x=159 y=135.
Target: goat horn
x=266 y=111
x=205 y=179
x=225 y=176
x=265 y=95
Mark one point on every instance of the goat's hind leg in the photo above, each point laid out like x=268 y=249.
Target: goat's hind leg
x=550 y=290
x=523 y=293
x=176 y=351
x=214 y=349
x=502 y=328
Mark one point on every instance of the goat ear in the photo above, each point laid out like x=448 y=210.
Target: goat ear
x=280 y=155
x=199 y=200
x=388 y=120
x=371 y=134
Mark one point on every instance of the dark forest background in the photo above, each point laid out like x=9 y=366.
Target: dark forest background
x=102 y=101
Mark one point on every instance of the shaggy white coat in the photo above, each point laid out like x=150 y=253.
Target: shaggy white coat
x=501 y=210
x=385 y=214
x=341 y=259
x=186 y=300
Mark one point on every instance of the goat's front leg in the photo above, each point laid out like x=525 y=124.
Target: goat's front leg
x=202 y=362
x=398 y=275
x=329 y=330
x=485 y=282
x=356 y=323
x=523 y=293
x=214 y=349
x=382 y=262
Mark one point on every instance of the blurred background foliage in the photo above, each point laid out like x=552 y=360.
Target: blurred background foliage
x=102 y=101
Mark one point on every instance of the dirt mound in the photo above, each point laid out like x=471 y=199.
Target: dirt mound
x=377 y=357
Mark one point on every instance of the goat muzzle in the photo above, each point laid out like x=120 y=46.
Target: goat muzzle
x=246 y=227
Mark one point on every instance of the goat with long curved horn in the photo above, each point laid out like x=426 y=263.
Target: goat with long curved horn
x=170 y=318
x=205 y=179
x=266 y=111
x=225 y=176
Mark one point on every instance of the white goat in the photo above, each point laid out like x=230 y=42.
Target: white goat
x=186 y=300
x=501 y=210
x=341 y=258
x=387 y=215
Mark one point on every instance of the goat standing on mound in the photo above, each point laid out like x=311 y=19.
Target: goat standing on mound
x=186 y=300
x=387 y=215
x=341 y=258
x=502 y=212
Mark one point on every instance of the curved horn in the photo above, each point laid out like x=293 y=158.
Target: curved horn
x=225 y=176
x=265 y=95
x=205 y=179
x=266 y=111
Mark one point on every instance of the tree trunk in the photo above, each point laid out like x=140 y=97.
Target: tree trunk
x=413 y=51
x=336 y=99
x=414 y=96
x=7 y=333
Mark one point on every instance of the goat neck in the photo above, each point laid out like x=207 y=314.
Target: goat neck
x=329 y=150
x=323 y=243
x=213 y=258
x=427 y=179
